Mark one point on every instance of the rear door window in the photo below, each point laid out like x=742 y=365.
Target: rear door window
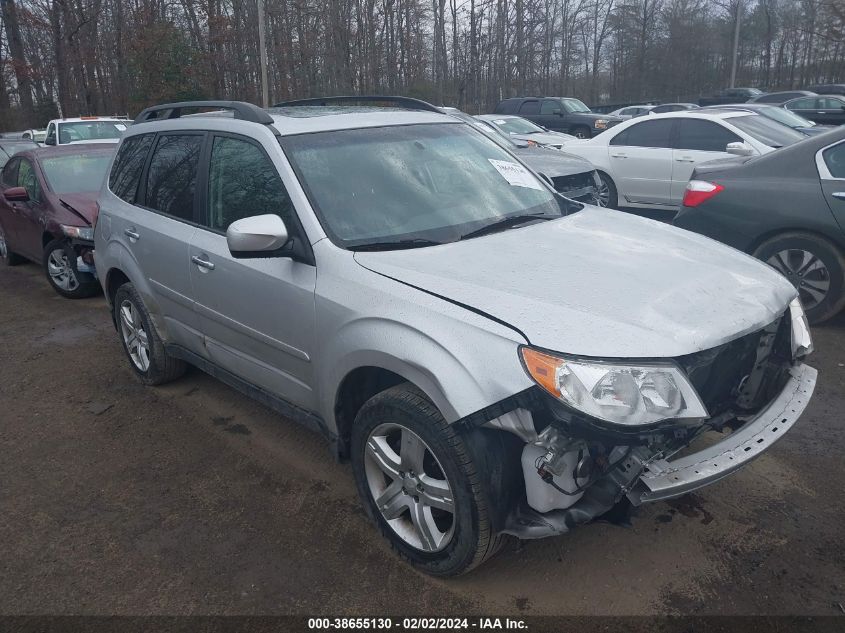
x=802 y=104
x=646 y=134
x=172 y=175
x=530 y=107
x=704 y=136
x=129 y=165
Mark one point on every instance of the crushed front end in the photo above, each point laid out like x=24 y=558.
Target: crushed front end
x=600 y=433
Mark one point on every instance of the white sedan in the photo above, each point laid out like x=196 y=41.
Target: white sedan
x=646 y=162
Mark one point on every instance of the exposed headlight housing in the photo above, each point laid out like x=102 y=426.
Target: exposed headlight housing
x=600 y=124
x=802 y=341
x=624 y=394
x=79 y=232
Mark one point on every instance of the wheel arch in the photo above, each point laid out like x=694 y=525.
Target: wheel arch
x=838 y=242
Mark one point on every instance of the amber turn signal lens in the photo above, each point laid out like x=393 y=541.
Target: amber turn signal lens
x=543 y=369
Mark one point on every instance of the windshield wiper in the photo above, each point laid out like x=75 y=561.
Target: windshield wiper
x=507 y=222
x=391 y=245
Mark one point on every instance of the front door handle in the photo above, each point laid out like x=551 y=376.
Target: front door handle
x=202 y=263
x=132 y=234
x=619 y=156
x=839 y=194
x=685 y=159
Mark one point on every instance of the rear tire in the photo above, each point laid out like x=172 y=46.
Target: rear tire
x=8 y=257
x=815 y=266
x=141 y=342
x=406 y=455
x=60 y=269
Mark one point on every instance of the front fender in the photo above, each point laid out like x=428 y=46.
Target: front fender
x=463 y=370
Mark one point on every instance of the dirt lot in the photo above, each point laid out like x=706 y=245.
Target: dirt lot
x=191 y=499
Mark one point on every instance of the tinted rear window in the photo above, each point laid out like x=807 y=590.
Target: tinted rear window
x=530 y=107
x=126 y=172
x=767 y=131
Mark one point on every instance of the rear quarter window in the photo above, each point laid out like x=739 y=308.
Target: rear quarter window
x=128 y=165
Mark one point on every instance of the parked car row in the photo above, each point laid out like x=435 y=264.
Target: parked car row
x=493 y=357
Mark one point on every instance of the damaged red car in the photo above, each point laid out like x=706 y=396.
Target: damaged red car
x=48 y=208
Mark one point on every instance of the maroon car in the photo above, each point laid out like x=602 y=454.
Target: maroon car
x=48 y=207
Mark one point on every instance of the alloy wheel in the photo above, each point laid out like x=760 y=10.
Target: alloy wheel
x=409 y=487
x=134 y=336
x=579 y=133
x=4 y=250
x=602 y=197
x=60 y=270
x=806 y=272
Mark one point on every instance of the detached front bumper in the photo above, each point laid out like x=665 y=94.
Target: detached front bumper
x=664 y=479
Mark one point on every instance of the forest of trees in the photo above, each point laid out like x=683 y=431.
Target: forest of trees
x=117 y=56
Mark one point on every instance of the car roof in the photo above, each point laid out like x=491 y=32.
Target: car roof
x=68 y=150
x=86 y=119
x=700 y=113
x=292 y=120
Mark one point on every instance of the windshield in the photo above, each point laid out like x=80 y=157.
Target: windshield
x=516 y=125
x=786 y=117
x=431 y=182
x=767 y=131
x=575 y=105
x=90 y=131
x=76 y=173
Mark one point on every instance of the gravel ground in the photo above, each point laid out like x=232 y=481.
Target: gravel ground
x=117 y=498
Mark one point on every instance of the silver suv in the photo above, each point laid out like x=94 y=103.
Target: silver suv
x=493 y=358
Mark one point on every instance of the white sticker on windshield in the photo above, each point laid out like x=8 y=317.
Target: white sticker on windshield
x=516 y=174
x=120 y=127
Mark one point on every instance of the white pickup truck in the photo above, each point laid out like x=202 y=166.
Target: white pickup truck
x=86 y=129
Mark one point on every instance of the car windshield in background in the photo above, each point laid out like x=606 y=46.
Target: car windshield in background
x=517 y=126
x=767 y=131
x=90 y=131
x=76 y=173
x=413 y=185
x=575 y=105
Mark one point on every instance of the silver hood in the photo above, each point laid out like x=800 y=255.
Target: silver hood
x=600 y=283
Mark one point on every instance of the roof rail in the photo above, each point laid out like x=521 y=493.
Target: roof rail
x=242 y=110
x=408 y=103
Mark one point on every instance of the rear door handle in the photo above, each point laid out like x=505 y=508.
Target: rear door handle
x=685 y=159
x=202 y=263
x=619 y=156
x=839 y=194
x=132 y=234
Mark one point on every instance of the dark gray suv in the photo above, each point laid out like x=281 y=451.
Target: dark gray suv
x=561 y=114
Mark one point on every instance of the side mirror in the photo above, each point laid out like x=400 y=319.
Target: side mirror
x=739 y=148
x=50 y=140
x=557 y=111
x=257 y=236
x=16 y=194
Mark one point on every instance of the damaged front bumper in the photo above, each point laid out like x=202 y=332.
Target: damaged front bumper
x=644 y=474
x=664 y=479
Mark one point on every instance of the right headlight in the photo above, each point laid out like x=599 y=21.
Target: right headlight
x=633 y=394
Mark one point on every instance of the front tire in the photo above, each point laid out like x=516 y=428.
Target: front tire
x=582 y=131
x=419 y=484
x=816 y=268
x=141 y=342
x=607 y=196
x=61 y=272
